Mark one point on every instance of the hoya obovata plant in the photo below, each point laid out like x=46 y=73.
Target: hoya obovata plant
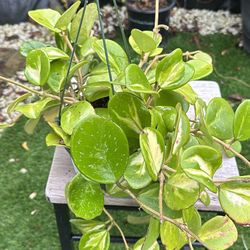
x=132 y=134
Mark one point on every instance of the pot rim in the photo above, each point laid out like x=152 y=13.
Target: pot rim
x=168 y=7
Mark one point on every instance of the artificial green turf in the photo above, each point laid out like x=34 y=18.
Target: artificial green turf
x=19 y=230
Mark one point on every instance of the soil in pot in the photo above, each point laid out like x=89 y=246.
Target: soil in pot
x=141 y=14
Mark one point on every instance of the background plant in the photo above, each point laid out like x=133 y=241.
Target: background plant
x=139 y=142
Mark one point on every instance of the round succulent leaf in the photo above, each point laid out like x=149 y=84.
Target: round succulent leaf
x=192 y=218
x=34 y=110
x=218 y=233
x=153 y=151
x=157 y=121
x=136 y=80
x=171 y=98
x=95 y=240
x=139 y=244
x=55 y=53
x=57 y=75
x=143 y=41
x=99 y=149
x=97 y=90
x=205 y=198
x=170 y=68
x=203 y=56
x=180 y=192
x=37 y=67
x=201 y=68
x=149 y=196
x=74 y=114
x=85 y=199
x=28 y=46
x=117 y=57
x=129 y=112
x=171 y=236
x=200 y=162
x=182 y=130
x=19 y=99
x=90 y=17
x=52 y=139
x=219 y=118
x=46 y=17
x=136 y=173
x=87 y=226
x=185 y=77
x=242 y=121
x=65 y=19
x=234 y=197
x=103 y=112
x=188 y=93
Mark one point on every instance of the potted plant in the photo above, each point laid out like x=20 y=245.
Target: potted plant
x=141 y=13
x=126 y=128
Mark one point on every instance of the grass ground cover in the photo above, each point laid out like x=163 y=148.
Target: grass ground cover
x=29 y=224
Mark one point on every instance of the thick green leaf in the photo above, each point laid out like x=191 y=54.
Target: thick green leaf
x=172 y=72
x=184 y=79
x=169 y=117
x=95 y=240
x=130 y=113
x=150 y=197
x=27 y=46
x=242 y=121
x=171 y=98
x=117 y=57
x=153 y=150
x=90 y=16
x=235 y=200
x=157 y=121
x=30 y=125
x=87 y=226
x=172 y=237
x=74 y=114
x=76 y=67
x=218 y=233
x=103 y=112
x=152 y=234
x=58 y=71
x=97 y=90
x=6 y=125
x=144 y=42
x=46 y=17
x=201 y=68
x=19 y=99
x=52 y=139
x=99 y=149
x=203 y=56
x=180 y=192
x=192 y=218
x=37 y=67
x=85 y=199
x=188 y=93
x=139 y=244
x=200 y=163
x=182 y=130
x=146 y=33
x=205 y=198
x=136 y=173
x=64 y=138
x=33 y=110
x=55 y=53
x=64 y=20
x=136 y=80
x=220 y=118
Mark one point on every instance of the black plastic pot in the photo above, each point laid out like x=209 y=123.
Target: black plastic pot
x=245 y=12
x=144 y=19
x=202 y=4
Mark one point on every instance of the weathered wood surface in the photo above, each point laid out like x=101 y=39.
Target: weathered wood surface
x=62 y=169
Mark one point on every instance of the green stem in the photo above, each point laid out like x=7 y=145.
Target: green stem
x=117 y=226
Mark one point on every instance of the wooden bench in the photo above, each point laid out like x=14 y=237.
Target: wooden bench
x=62 y=172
